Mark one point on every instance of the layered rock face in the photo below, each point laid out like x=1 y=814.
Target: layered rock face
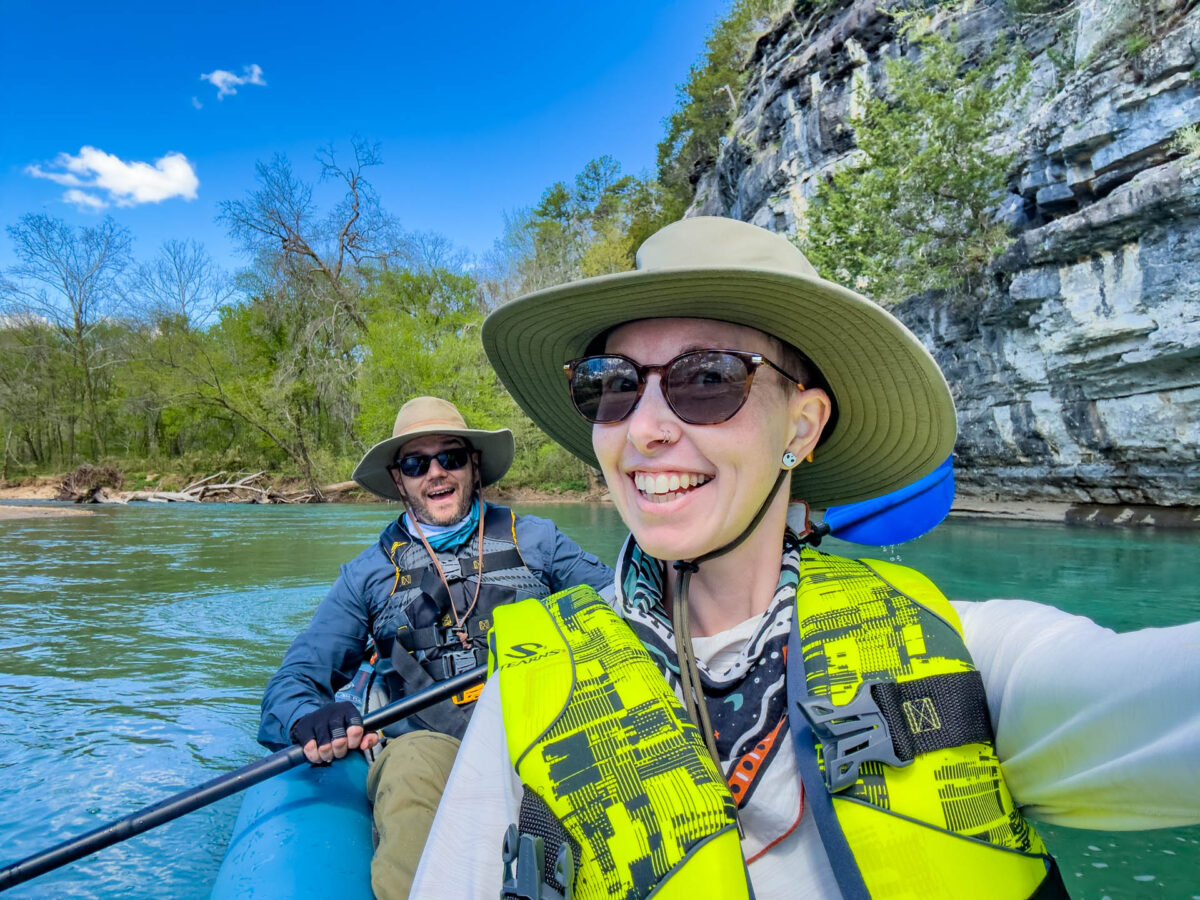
x=1077 y=370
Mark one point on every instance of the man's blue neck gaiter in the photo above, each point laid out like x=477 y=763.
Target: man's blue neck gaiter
x=451 y=537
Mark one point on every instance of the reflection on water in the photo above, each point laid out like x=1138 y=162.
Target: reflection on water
x=134 y=645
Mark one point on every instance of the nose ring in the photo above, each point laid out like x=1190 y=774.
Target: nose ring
x=664 y=435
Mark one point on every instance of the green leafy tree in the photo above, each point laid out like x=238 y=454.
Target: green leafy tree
x=914 y=210
x=422 y=337
x=235 y=368
x=36 y=375
x=570 y=221
x=592 y=227
x=69 y=279
x=171 y=299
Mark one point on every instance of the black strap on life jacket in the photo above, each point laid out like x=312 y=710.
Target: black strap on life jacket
x=470 y=565
x=448 y=717
x=433 y=637
x=891 y=723
x=497 y=526
x=841 y=859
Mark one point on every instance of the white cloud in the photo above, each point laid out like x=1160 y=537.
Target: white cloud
x=227 y=83
x=83 y=199
x=196 y=103
x=64 y=178
x=97 y=178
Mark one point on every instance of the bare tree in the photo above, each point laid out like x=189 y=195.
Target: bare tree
x=280 y=220
x=428 y=251
x=305 y=292
x=181 y=284
x=69 y=278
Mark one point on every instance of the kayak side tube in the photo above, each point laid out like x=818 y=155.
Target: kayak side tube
x=305 y=833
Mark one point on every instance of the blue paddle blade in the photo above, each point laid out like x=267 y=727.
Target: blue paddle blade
x=899 y=516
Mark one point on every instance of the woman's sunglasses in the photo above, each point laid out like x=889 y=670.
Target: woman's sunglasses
x=415 y=466
x=702 y=387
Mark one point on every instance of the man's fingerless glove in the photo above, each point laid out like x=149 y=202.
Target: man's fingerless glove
x=326 y=724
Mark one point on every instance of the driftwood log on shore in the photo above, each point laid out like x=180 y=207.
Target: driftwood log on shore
x=220 y=487
x=104 y=495
x=91 y=484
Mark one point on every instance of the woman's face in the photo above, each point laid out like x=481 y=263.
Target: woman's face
x=682 y=489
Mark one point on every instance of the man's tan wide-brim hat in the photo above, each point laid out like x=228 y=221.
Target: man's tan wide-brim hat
x=895 y=419
x=422 y=416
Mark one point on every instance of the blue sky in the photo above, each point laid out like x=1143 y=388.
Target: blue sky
x=477 y=107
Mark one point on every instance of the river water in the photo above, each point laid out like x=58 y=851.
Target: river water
x=134 y=644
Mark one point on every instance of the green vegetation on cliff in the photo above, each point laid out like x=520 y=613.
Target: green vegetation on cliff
x=914 y=209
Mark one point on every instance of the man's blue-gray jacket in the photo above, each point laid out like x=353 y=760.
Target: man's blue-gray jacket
x=327 y=654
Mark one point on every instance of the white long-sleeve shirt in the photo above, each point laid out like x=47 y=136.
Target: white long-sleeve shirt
x=1094 y=729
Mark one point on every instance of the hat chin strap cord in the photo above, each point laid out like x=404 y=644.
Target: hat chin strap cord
x=689 y=673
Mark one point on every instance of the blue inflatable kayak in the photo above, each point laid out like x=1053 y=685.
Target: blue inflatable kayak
x=305 y=833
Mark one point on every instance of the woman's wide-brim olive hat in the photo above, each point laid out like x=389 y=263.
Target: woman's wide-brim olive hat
x=423 y=416
x=895 y=419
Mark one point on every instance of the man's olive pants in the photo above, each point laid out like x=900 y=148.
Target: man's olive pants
x=404 y=785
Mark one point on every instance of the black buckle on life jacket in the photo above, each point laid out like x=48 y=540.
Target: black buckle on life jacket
x=455 y=662
x=850 y=735
x=525 y=866
x=892 y=722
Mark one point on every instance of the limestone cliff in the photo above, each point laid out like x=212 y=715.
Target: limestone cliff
x=1077 y=369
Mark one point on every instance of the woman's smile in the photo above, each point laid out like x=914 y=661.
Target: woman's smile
x=662 y=487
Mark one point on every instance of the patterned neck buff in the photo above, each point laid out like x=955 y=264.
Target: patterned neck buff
x=747 y=702
x=449 y=537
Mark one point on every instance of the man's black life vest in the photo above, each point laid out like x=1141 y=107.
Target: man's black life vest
x=422 y=644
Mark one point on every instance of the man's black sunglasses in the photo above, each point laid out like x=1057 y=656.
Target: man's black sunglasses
x=417 y=465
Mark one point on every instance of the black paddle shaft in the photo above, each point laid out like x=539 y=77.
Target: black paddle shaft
x=218 y=788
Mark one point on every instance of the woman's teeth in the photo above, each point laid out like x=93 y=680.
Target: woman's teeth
x=661 y=484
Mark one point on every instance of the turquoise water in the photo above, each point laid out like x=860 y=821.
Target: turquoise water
x=134 y=644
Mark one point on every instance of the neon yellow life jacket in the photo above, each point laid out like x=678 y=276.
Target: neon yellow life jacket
x=594 y=730
x=939 y=824
x=940 y=821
